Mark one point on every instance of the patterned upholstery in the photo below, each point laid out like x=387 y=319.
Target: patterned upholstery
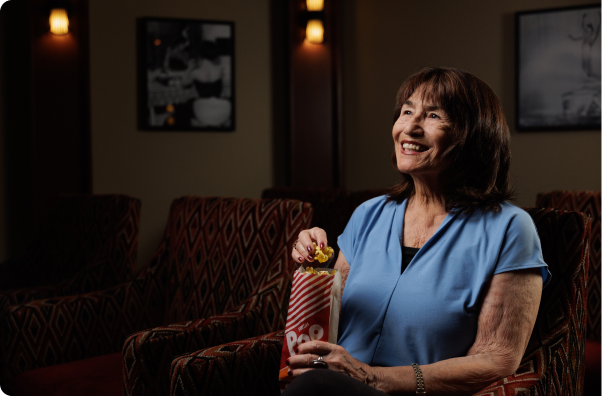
x=248 y=367
x=333 y=207
x=552 y=364
x=79 y=231
x=59 y=330
x=227 y=257
x=587 y=202
x=92 y=237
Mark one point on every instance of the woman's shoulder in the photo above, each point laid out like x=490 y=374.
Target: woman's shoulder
x=508 y=215
x=376 y=204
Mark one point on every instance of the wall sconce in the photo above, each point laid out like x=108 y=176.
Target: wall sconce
x=58 y=11
x=314 y=29
x=59 y=21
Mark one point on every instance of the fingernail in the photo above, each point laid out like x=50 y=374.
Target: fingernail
x=309 y=249
x=310 y=258
x=287 y=362
x=321 y=245
x=300 y=258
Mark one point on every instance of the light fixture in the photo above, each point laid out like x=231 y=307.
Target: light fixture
x=314 y=5
x=314 y=29
x=59 y=21
x=314 y=32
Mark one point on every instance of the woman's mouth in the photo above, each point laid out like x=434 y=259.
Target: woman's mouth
x=414 y=147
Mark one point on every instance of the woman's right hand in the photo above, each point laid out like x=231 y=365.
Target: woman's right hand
x=304 y=247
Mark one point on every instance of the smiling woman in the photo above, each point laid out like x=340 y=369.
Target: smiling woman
x=463 y=115
x=442 y=276
x=421 y=136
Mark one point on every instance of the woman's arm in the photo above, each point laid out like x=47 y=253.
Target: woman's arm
x=505 y=324
x=506 y=320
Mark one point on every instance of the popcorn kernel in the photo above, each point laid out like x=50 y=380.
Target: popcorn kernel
x=322 y=255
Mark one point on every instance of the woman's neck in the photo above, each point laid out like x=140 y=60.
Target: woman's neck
x=429 y=199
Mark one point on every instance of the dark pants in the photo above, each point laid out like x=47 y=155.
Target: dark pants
x=328 y=383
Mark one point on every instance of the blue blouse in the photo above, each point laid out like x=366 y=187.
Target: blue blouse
x=430 y=312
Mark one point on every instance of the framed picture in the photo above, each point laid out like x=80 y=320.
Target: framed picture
x=185 y=75
x=558 y=69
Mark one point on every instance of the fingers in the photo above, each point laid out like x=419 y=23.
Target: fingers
x=319 y=236
x=319 y=348
x=302 y=361
x=304 y=248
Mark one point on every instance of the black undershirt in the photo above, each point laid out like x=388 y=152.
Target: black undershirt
x=408 y=255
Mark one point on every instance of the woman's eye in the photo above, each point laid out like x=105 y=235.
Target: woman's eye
x=407 y=112
x=433 y=115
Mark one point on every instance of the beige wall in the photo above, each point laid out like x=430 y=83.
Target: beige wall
x=160 y=166
x=387 y=40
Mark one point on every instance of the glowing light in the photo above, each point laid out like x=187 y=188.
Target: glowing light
x=315 y=5
x=314 y=32
x=59 y=21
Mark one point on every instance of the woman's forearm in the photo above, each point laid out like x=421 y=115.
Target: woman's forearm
x=506 y=319
x=458 y=376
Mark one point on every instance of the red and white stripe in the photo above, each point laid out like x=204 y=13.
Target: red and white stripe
x=310 y=294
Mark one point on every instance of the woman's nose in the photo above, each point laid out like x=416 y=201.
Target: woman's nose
x=414 y=127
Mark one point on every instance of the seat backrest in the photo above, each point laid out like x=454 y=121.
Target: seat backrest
x=587 y=202
x=85 y=230
x=220 y=251
x=333 y=207
x=554 y=355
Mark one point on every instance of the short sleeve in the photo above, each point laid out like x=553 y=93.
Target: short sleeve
x=347 y=241
x=521 y=248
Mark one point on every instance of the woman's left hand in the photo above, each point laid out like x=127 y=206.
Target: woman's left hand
x=335 y=357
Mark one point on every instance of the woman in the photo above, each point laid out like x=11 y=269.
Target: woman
x=442 y=277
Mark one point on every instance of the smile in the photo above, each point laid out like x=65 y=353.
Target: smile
x=413 y=147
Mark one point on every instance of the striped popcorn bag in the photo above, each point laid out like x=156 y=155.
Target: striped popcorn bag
x=313 y=312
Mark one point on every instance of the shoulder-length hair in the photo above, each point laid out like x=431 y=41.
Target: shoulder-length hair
x=479 y=156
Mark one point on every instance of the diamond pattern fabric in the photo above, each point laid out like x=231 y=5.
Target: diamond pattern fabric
x=92 y=237
x=229 y=269
x=587 y=202
x=170 y=289
x=333 y=207
x=552 y=364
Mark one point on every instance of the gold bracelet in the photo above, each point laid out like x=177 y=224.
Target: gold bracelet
x=419 y=380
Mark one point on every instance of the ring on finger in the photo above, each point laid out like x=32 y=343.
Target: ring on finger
x=295 y=244
x=319 y=362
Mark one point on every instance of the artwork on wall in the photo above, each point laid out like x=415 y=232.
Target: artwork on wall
x=558 y=69
x=185 y=75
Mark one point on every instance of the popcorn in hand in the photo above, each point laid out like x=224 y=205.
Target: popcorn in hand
x=322 y=255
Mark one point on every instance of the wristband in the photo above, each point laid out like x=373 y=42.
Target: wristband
x=419 y=380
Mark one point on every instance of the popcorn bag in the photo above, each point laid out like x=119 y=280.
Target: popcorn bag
x=313 y=312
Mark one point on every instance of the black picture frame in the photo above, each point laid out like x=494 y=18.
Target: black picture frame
x=185 y=75
x=558 y=69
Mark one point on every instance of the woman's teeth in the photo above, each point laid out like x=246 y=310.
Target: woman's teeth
x=413 y=147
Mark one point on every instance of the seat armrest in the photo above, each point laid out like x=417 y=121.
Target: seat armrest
x=147 y=355
x=46 y=332
x=9 y=298
x=524 y=381
x=248 y=367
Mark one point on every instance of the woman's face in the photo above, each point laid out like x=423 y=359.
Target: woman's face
x=421 y=137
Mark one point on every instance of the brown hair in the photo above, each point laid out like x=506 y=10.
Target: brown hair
x=479 y=172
